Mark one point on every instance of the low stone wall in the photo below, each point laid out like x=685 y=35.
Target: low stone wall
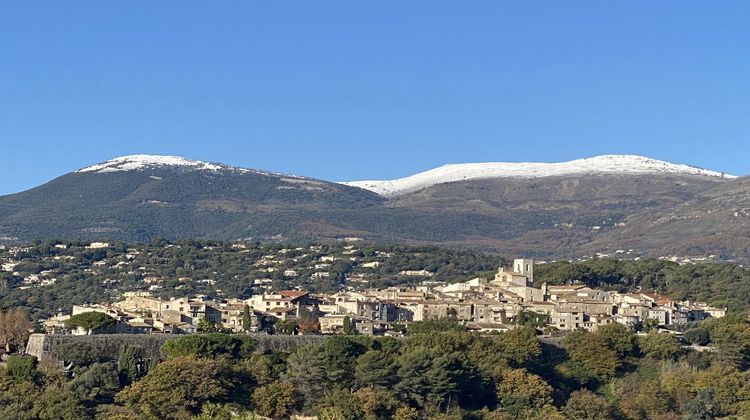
x=46 y=346
x=284 y=342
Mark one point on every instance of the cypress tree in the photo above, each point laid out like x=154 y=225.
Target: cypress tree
x=129 y=363
x=246 y=321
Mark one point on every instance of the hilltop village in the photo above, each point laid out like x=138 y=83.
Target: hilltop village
x=370 y=331
x=495 y=304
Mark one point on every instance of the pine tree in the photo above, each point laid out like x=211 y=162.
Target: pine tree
x=375 y=369
x=306 y=372
x=413 y=385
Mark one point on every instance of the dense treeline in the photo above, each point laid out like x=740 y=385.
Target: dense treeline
x=438 y=371
x=720 y=284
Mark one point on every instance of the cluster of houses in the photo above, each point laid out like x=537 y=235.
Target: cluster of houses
x=482 y=304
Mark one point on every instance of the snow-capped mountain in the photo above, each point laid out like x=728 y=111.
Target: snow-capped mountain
x=607 y=164
x=139 y=197
x=143 y=162
x=554 y=210
x=140 y=162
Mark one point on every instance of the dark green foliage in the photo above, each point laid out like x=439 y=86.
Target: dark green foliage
x=21 y=368
x=306 y=371
x=130 y=363
x=376 y=369
x=440 y=342
x=209 y=346
x=285 y=326
x=265 y=368
x=93 y=322
x=435 y=325
x=453 y=380
x=698 y=336
x=413 y=385
x=441 y=375
x=348 y=326
x=79 y=353
x=618 y=338
x=520 y=345
x=246 y=322
x=98 y=381
x=341 y=353
x=533 y=319
x=593 y=353
x=731 y=338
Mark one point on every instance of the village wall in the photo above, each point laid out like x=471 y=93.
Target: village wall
x=46 y=346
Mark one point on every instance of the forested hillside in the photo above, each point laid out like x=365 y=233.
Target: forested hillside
x=437 y=372
x=45 y=277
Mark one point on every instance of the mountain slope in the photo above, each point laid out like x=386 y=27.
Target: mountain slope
x=608 y=164
x=141 y=197
x=714 y=222
x=565 y=210
x=562 y=216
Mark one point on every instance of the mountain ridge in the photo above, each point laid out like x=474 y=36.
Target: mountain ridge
x=604 y=164
x=666 y=210
x=140 y=162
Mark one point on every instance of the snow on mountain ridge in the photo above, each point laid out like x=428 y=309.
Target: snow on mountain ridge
x=607 y=164
x=139 y=162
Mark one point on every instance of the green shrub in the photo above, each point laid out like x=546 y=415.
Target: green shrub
x=92 y=322
x=21 y=368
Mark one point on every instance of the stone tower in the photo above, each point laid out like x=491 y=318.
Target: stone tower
x=525 y=267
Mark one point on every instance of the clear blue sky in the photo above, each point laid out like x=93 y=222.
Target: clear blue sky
x=345 y=90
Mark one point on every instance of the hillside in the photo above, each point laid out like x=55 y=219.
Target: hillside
x=714 y=222
x=50 y=275
x=562 y=216
x=609 y=204
x=138 y=199
x=608 y=164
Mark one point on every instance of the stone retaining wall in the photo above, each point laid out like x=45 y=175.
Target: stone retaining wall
x=46 y=346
